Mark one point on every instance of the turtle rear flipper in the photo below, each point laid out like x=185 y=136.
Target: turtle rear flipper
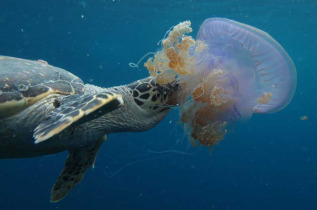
x=76 y=165
x=84 y=108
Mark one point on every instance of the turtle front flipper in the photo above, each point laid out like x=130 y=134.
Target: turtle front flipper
x=76 y=165
x=81 y=109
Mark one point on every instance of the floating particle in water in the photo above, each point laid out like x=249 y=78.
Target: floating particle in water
x=303 y=118
x=84 y=4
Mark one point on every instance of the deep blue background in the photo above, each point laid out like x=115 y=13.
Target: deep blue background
x=269 y=162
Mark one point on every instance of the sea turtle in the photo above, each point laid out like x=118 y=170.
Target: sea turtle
x=46 y=110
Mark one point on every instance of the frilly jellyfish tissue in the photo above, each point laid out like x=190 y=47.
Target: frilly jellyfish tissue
x=229 y=72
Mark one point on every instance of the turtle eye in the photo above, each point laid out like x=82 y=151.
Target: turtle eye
x=56 y=103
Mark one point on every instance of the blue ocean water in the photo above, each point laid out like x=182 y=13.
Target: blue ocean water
x=269 y=162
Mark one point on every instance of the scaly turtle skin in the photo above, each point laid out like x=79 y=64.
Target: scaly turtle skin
x=46 y=110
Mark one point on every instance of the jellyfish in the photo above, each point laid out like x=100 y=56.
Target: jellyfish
x=231 y=71
x=259 y=64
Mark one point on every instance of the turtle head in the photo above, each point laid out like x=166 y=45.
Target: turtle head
x=152 y=97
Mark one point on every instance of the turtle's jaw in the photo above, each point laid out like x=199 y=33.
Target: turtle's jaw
x=171 y=90
x=172 y=100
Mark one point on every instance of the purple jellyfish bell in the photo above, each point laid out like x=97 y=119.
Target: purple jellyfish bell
x=260 y=70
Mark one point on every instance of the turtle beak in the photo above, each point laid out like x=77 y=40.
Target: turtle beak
x=172 y=89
